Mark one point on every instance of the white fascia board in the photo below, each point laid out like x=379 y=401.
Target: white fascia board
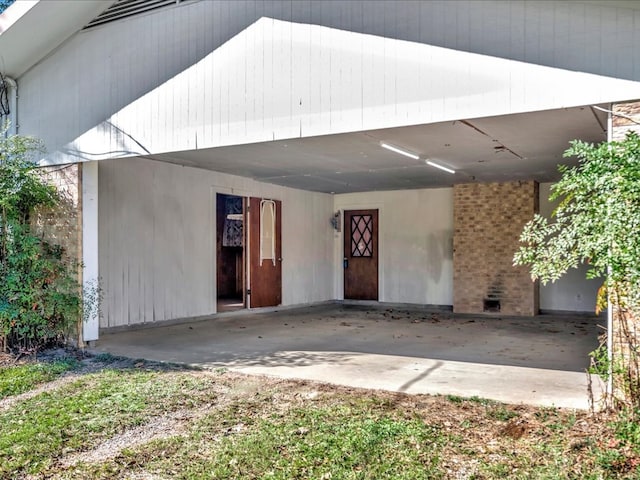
x=14 y=12
x=277 y=80
x=31 y=29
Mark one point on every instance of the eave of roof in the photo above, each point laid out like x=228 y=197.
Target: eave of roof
x=31 y=29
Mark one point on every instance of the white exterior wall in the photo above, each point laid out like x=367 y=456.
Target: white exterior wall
x=415 y=244
x=157 y=240
x=157 y=244
x=416 y=256
x=573 y=292
x=98 y=72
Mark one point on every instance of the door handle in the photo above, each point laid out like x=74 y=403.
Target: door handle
x=345 y=262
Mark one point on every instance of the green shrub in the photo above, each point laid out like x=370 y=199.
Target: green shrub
x=40 y=298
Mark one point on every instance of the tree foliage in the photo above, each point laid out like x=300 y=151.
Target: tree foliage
x=4 y=4
x=39 y=292
x=597 y=221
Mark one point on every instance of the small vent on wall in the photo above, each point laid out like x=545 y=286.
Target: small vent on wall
x=491 y=305
x=129 y=8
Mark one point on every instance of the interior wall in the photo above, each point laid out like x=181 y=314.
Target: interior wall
x=573 y=292
x=415 y=243
x=157 y=240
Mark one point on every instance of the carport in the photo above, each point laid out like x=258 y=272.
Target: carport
x=449 y=152
x=299 y=110
x=532 y=360
x=308 y=127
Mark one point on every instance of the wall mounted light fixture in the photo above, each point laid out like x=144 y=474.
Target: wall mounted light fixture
x=336 y=221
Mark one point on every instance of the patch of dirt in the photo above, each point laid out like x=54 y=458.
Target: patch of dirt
x=165 y=426
x=6 y=360
x=8 y=402
x=485 y=431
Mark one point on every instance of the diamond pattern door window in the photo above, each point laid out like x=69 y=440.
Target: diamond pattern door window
x=361 y=236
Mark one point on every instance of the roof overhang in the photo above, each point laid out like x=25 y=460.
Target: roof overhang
x=31 y=29
x=502 y=148
x=486 y=118
x=314 y=116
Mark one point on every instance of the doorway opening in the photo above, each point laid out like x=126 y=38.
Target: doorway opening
x=361 y=254
x=230 y=252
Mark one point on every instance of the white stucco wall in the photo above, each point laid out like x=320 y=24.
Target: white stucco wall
x=573 y=292
x=415 y=244
x=157 y=240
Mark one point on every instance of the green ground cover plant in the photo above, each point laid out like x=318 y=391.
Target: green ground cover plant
x=22 y=378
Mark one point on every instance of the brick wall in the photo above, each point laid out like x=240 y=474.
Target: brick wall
x=63 y=226
x=621 y=124
x=488 y=220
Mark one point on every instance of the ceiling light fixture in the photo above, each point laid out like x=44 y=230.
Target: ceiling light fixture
x=399 y=150
x=441 y=167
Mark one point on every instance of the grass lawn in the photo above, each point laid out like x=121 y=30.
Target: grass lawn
x=22 y=378
x=113 y=418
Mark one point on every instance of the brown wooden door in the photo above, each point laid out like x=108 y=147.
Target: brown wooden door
x=265 y=277
x=361 y=254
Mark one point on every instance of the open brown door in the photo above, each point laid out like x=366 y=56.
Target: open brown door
x=265 y=252
x=361 y=254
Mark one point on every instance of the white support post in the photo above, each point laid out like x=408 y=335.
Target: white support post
x=90 y=273
x=609 y=304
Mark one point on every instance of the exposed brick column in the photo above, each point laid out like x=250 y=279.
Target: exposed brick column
x=621 y=119
x=488 y=220
x=63 y=225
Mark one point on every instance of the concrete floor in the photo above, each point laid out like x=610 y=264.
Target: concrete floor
x=539 y=360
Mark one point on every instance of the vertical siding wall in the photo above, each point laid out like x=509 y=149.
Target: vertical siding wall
x=415 y=242
x=157 y=240
x=157 y=250
x=99 y=71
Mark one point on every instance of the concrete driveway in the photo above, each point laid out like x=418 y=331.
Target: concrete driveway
x=539 y=360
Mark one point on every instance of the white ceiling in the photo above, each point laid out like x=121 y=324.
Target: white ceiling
x=510 y=147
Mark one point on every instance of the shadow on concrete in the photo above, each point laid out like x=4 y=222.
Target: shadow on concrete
x=405 y=386
x=336 y=333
